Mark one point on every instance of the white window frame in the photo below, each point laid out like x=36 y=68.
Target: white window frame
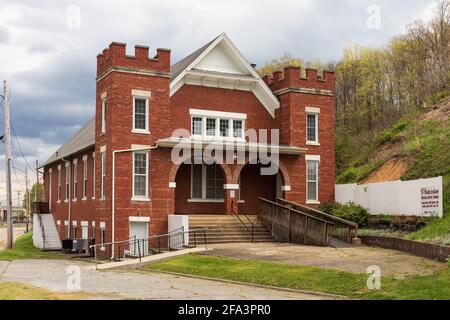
x=203 y=198
x=50 y=189
x=142 y=95
x=75 y=180
x=93 y=176
x=103 y=175
x=135 y=197
x=311 y=111
x=316 y=161
x=104 y=106
x=59 y=184
x=67 y=182
x=218 y=116
x=85 y=177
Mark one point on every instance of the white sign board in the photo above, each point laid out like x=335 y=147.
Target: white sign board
x=413 y=198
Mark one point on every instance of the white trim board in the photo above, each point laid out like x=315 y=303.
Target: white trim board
x=217 y=79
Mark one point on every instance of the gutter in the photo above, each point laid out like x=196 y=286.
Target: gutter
x=114 y=187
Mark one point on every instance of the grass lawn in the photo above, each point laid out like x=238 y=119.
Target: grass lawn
x=23 y=249
x=349 y=284
x=18 y=291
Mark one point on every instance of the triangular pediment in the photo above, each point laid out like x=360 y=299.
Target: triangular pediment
x=219 y=59
x=220 y=64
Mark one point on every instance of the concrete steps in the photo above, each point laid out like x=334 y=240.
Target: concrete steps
x=228 y=229
x=52 y=241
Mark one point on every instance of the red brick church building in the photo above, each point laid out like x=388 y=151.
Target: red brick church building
x=118 y=168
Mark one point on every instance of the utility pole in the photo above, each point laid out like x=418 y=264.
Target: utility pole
x=9 y=236
x=27 y=198
x=18 y=198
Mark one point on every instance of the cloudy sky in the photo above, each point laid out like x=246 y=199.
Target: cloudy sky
x=48 y=48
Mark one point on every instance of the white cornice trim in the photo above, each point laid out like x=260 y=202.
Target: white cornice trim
x=219 y=114
x=257 y=85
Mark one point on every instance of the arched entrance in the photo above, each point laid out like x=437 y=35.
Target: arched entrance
x=200 y=189
x=254 y=185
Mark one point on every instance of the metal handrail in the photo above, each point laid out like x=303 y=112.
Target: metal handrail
x=236 y=213
x=140 y=243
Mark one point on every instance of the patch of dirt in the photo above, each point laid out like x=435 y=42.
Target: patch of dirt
x=440 y=112
x=390 y=171
x=354 y=259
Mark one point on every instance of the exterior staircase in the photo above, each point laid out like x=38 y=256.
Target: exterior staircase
x=227 y=229
x=45 y=234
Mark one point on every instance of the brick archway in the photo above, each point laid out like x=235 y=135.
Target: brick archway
x=281 y=166
x=225 y=168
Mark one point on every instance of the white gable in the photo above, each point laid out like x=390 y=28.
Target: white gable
x=221 y=65
x=219 y=60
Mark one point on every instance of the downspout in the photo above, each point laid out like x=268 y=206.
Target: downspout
x=114 y=187
x=70 y=196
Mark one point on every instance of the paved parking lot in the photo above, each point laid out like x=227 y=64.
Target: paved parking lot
x=55 y=274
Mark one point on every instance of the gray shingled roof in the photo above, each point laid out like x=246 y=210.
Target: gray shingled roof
x=85 y=137
x=81 y=140
x=181 y=65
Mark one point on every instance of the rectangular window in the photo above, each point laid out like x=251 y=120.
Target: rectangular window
x=59 y=183
x=103 y=171
x=224 y=127
x=312 y=128
x=140 y=175
x=102 y=235
x=312 y=180
x=214 y=182
x=93 y=176
x=197 y=126
x=237 y=129
x=75 y=180
x=50 y=189
x=211 y=127
x=197 y=181
x=140 y=114
x=85 y=178
x=206 y=182
x=220 y=126
x=67 y=181
x=103 y=115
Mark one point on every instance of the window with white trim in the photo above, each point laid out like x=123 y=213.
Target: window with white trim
x=85 y=177
x=67 y=181
x=207 y=182
x=140 y=114
x=75 y=180
x=312 y=181
x=104 y=115
x=140 y=175
x=103 y=172
x=217 y=127
x=59 y=183
x=93 y=176
x=312 y=128
x=197 y=123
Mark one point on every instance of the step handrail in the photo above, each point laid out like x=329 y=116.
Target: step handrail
x=41 y=224
x=329 y=216
x=235 y=212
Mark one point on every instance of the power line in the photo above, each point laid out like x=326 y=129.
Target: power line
x=20 y=148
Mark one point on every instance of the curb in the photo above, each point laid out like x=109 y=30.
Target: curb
x=320 y=294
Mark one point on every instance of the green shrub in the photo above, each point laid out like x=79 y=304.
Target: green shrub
x=350 y=211
x=437 y=97
x=348 y=175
